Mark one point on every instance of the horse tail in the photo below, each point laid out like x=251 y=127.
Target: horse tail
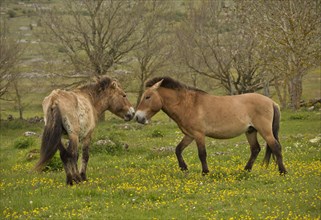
x=51 y=138
x=275 y=130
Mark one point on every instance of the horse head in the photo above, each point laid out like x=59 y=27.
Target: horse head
x=114 y=99
x=149 y=105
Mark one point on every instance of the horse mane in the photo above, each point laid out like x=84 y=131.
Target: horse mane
x=170 y=83
x=96 y=87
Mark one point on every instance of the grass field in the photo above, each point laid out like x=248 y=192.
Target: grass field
x=144 y=181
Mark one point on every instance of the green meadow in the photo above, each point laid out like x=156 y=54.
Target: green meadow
x=137 y=176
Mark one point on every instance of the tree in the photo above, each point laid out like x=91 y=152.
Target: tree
x=290 y=31
x=154 y=54
x=95 y=34
x=214 y=42
x=10 y=53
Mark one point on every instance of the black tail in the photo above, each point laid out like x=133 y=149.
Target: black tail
x=51 y=137
x=275 y=129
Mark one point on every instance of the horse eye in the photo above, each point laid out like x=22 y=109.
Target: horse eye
x=147 y=97
x=124 y=95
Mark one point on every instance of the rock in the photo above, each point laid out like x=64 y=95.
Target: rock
x=10 y=118
x=35 y=119
x=164 y=149
x=125 y=146
x=30 y=133
x=33 y=154
x=311 y=108
x=124 y=126
x=105 y=142
x=220 y=153
x=315 y=140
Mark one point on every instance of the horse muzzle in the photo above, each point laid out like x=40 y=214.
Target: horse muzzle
x=141 y=118
x=130 y=114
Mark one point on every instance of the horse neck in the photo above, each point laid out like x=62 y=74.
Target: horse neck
x=99 y=109
x=101 y=106
x=96 y=101
x=174 y=103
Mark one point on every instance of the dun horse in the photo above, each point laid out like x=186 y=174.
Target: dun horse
x=75 y=113
x=199 y=114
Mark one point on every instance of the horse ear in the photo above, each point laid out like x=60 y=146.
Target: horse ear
x=157 y=85
x=114 y=85
x=97 y=79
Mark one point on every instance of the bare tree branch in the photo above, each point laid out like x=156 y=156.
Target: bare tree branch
x=96 y=34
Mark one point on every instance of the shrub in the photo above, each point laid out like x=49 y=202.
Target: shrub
x=108 y=146
x=62 y=49
x=55 y=164
x=299 y=116
x=12 y=14
x=157 y=133
x=23 y=142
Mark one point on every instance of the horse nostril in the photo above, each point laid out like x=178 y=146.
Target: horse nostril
x=130 y=114
x=129 y=117
x=141 y=120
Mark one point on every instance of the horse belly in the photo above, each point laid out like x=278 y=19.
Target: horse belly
x=226 y=131
x=223 y=134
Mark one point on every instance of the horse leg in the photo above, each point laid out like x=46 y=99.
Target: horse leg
x=85 y=158
x=202 y=153
x=255 y=149
x=275 y=147
x=179 y=149
x=65 y=157
x=73 y=150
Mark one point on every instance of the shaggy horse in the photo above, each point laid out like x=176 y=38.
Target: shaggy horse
x=199 y=114
x=75 y=113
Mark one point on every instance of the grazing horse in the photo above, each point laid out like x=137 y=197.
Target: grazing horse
x=75 y=113
x=199 y=114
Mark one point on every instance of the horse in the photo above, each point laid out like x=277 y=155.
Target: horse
x=75 y=113
x=199 y=115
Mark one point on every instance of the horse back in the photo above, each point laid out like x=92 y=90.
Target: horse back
x=249 y=104
x=77 y=112
x=230 y=116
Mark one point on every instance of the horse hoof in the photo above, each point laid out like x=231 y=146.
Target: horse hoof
x=204 y=173
x=83 y=177
x=77 y=179
x=248 y=168
x=283 y=172
x=69 y=180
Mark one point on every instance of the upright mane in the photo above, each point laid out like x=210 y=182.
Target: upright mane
x=99 y=85
x=170 y=83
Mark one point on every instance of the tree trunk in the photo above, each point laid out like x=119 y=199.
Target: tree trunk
x=140 y=93
x=230 y=86
x=19 y=102
x=194 y=79
x=280 y=92
x=295 y=91
x=143 y=76
x=266 y=88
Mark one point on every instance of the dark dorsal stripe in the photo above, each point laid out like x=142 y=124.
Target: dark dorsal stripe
x=170 y=83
